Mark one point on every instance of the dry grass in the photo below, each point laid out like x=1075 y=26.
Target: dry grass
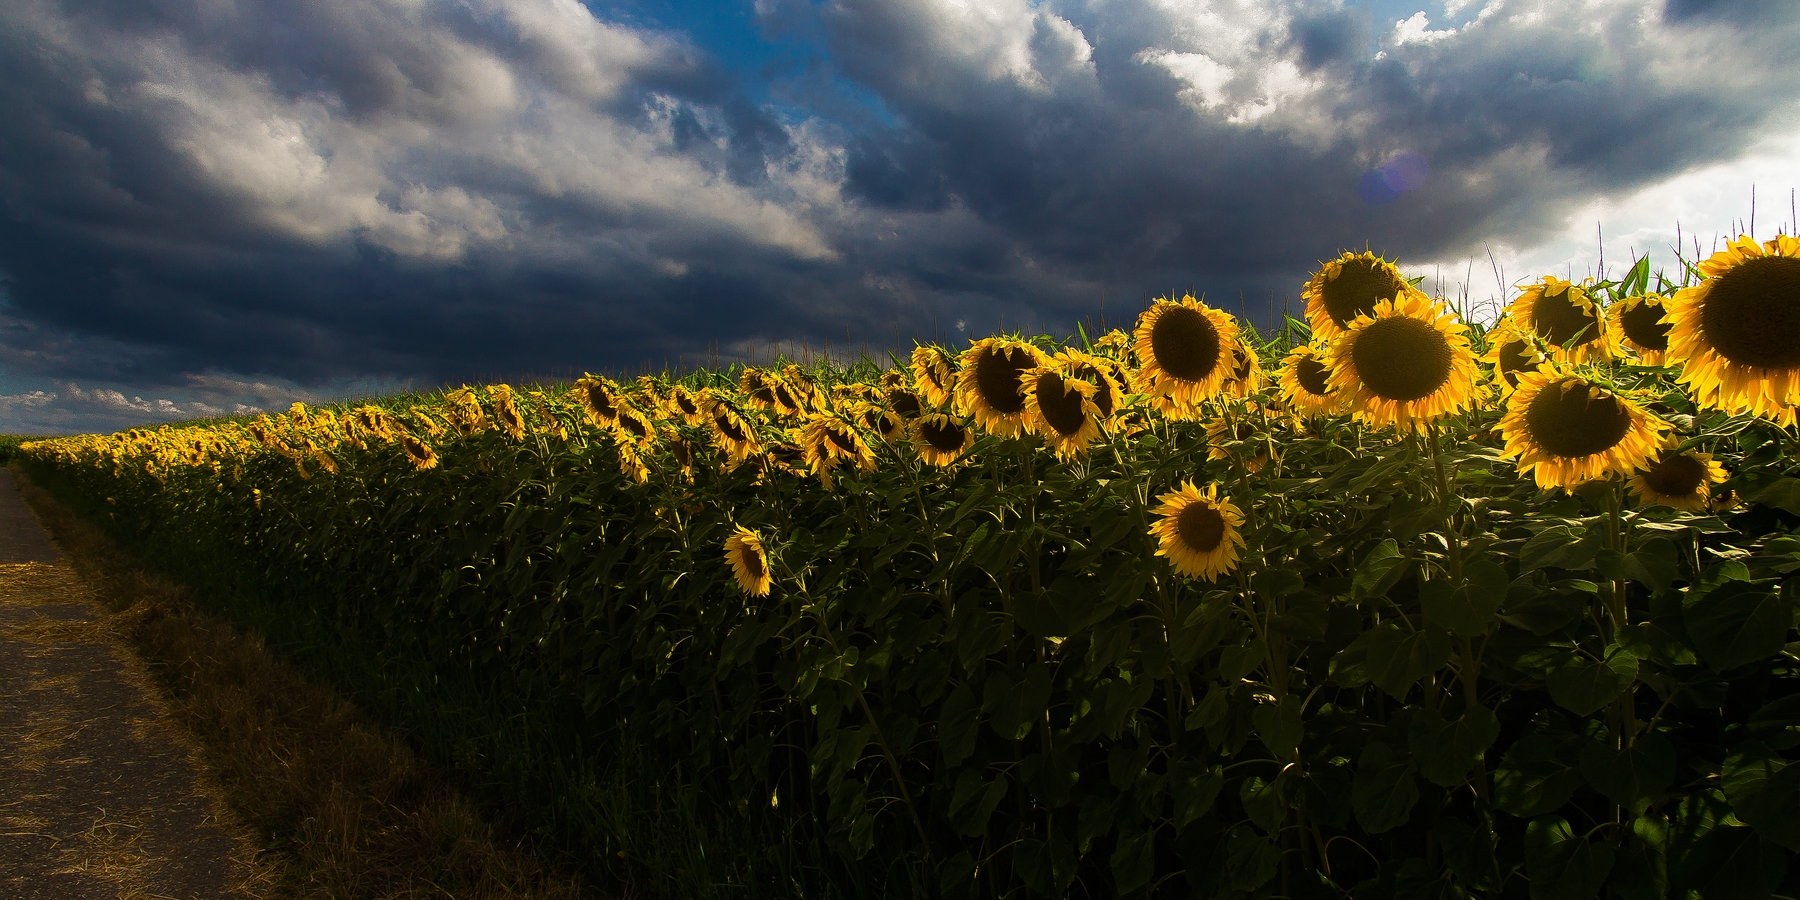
x=345 y=808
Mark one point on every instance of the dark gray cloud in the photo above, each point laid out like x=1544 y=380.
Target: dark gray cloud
x=310 y=194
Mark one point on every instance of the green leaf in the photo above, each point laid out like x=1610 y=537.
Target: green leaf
x=1471 y=608
x=1540 y=610
x=1582 y=685
x=973 y=801
x=1396 y=659
x=1633 y=777
x=1279 y=726
x=1764 y=790
x=1047 y=867
x=1194 y=789
x=959 y=724
x=1250 y=859
x=1732 y=862
x=1562 y=865
x=1738 y=622
x=1559 y=546
x=1384 y=792
x=1237 y=662
x=1782 y=493
x=1469 y=852
x=1267 y=802
x=1446 y=751
x=1534 y=777
x=1122 y=699
x=1133 y=860
x=1015 y=708
x=1380 y=570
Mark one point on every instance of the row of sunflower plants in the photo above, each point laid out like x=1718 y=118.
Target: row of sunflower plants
x=1386 y=603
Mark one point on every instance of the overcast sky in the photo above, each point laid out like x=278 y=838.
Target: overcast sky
x=210 y=206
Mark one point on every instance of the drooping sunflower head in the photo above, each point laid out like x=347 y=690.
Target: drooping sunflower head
x=1186 y=347
x=1512 y=351
x=1564 y=429
x=800 y=385
x=1246 y=377
x=1061 y=409
x=1736 y=334
x=1351 y=286
x=749 y=562
x=988 y=387
x=1107 y=376
x=1681 y=479
x=785 y=455
x=649 y=391
x=1238 y=438
x=463 y=411
x=758 y=387
x=731 y=431
x=1198 y=531
x=1408 y=362
x=829 y=441
x=683 y=405
x=1566 y=319
x=789 y=401
x=681 y=451
x=631 y=425
x=880 y=420
x=506 y=411
x=1306 y=381
x=418 y=452
x=631 y=461
x=1114 y=344
x=1639 y=323
x=599 y=396
x=942 y=440
x=904 y=403
x=934 y=371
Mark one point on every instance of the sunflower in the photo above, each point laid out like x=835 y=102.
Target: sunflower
x=1679 y=479
x=749 y=562
x=731 y=432
x=758 y=387
x=789 y=401
x=1186 y=347
x=879 y=420
x=506 y=411
x=1246 y=376
x=682 y=404
x=784 y=455
x=1198 y=532
x=1565 y=429
x=1512 y=352
x=1114 y=344
x=1221 y=433
x=419 y=452
x=547 y=411
x=631 y=461
x=650 y=390
x=463 y=412
x=682 y=451
x=1737 y=333
x=1061 y=409
x=1350 y=286
x=934 y=371
x=1306 y=381
x=631 y=425
x=828 y=441
x=941 y=440
x=1566 y=319
x=1409 y=362
x=987 y=387
x=904 y=402
x=854 y=393
x=599 y=396
x=1639 y=323
x=1106 y=375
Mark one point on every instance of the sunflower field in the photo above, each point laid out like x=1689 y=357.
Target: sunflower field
x=1385 y=603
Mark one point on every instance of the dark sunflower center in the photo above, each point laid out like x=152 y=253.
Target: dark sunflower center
x=906 y=403
x=1313 y=376
x=1644 y=326
x=1185 y=343
x=840 y=440
x=686 y=405
x=730 y=429
x=1361 y=283
x=1103 y=395
x=1573 y=421
x=633 y=425
x=1515 y=357
x=785 y=399
x=1060 y=404
x=1200 y=527
x=788 y=454
x=997 y=378
x=944 y=437
x=600 y=400
x=752 y=562
x=1676 y=476
x=1558 y=319
x=684 y=453
x=1752 y=313
x=875 y=420
x=1402 y=359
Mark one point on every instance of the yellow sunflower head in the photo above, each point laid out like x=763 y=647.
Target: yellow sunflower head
x=1351 y=286
x=630 y=425
x=681 y=451
x=934 y=371
x=1682 y=479
x=1114 y=344
x=880 y=420
x=1408 y=362
x=1564 y=429
x=942 y=440
x=1512 y=351
x=649 y=391
x=1197 y=531
x=987 y=387
x=904 y=403
x=631 y=461
x=461 y=409
x=749 y=562
x=684 y=405
x=1246 y=377
x=829 y=441
x=506 y=411
x=1566 y=319
x=1639 y=323
x=731 y=431
x=1306 y=381
x=1736 y=334
x=1106 y=375
x=418 y=452
x=1186 y=347
x=599 y=397
x=784 y=455
x=758 y=387
x=1237 y=438
x=1061 y=409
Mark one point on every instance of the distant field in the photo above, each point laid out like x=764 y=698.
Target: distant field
x=1384 y=602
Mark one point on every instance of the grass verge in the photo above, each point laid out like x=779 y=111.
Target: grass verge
x=345 y=807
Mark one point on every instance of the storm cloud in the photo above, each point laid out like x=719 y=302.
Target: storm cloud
x=310 y=195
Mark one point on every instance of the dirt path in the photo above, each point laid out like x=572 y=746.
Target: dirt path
x=98 y=798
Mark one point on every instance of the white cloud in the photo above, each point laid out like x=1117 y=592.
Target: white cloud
x=1417 y=30
x=26 y=400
